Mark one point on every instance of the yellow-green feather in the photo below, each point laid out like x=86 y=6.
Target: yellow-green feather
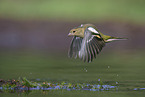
x=106 y=38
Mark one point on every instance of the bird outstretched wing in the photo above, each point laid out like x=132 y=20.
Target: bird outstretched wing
x=91 y=46
x=75 y=46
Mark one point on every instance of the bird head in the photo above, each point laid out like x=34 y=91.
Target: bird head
x=79 y=32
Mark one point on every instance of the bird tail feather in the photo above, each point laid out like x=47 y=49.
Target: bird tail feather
x=110 y=39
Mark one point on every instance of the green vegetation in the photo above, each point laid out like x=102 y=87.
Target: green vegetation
x=25 y=84
x=92 y=10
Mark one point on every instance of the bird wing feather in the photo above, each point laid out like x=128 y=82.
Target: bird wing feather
x=75 y=46
x=86 y=48
x=91 y=46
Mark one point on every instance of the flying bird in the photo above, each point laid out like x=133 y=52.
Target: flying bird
x=87 y=42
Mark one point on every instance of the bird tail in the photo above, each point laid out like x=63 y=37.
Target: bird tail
x=115 y=38
x=110 y=38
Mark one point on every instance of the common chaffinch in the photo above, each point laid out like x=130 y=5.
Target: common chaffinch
x=87 y=42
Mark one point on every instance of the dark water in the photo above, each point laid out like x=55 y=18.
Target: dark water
x=110 y=75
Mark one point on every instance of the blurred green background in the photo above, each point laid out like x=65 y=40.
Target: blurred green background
x=74 y=10
x=34 y=42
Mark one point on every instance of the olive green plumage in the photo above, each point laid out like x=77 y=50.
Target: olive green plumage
x=87 y=42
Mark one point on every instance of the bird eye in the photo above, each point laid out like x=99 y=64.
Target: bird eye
x=74 y=31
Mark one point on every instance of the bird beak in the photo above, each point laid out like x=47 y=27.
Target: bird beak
x=70 y=34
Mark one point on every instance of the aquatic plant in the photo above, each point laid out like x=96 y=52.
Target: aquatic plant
x=25 y=84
